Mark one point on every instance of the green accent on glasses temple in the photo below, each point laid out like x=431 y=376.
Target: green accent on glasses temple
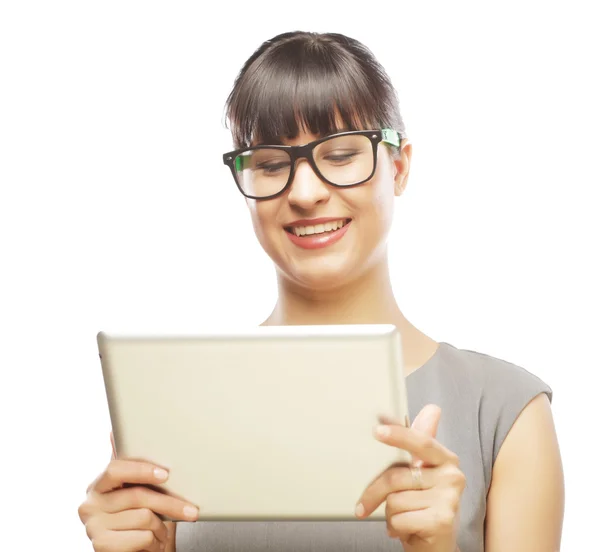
x=391 y=136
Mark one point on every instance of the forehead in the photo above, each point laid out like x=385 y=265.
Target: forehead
x=304 y=135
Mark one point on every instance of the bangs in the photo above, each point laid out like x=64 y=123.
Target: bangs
x=299 y=87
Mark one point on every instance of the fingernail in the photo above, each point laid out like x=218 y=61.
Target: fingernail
x=161 y=474
x=383 y=431
x=191 y=512
x=360 y=510
x=162 y=545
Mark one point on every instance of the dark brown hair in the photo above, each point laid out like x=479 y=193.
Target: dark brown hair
x=302 y=80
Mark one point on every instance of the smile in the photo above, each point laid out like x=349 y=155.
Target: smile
x=319 y=235
x=318 y=228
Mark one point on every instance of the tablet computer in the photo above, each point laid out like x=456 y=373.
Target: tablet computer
x=269 y=423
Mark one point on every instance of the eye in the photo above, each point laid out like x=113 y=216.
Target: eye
x=340 y=156
x=271 y=168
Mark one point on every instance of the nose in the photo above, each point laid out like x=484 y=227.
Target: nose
x=307 y=189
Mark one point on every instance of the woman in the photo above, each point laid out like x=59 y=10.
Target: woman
x=489 y=473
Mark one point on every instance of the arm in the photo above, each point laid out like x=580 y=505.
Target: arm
x=525 y=503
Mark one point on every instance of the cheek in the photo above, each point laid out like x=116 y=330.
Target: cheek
x=381 y=204
x=373 y=206
x=263 y=216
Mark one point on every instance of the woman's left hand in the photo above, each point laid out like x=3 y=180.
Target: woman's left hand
x=422 y=501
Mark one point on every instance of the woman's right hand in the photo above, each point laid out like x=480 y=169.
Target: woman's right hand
x=119 y=519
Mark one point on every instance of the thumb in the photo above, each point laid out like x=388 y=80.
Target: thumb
x=428 y=420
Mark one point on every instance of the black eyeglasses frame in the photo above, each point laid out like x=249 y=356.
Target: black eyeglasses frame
x=305 y=151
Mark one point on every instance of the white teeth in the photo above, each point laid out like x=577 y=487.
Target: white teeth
x=318 y=229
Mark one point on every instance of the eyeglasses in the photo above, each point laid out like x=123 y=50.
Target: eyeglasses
x=342 y=160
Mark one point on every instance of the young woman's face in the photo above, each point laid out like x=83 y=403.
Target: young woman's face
x=288 y=228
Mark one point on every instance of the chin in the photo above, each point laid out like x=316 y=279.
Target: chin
x=321 y=274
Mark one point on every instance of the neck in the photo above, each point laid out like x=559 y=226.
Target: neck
x=367 y=300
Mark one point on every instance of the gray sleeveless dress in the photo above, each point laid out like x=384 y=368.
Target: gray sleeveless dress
x=480 y=397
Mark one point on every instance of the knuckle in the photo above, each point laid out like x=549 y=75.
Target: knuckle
x=444 y=519
x=452 y=500
x=393 y=501
x=427 y=443
x=456 y=477
x=395 y=524
x=453 y=458
x=396 y=478
x=146 y=517
x=112 y=469
x=147 y=539
x=138 y=495
x=393 y=533
x=92 y=528
x=100 y=543
x=143 y=471
x=83 y=512
x=86 y=509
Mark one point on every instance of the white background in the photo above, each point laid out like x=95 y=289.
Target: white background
x=116 y=211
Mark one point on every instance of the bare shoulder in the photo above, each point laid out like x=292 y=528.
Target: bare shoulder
x=525 y=503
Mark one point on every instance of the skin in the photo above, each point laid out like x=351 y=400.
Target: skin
x=121 y=519
x=348 y=283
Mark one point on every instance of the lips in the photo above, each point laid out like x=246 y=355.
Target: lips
x=317 y=233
